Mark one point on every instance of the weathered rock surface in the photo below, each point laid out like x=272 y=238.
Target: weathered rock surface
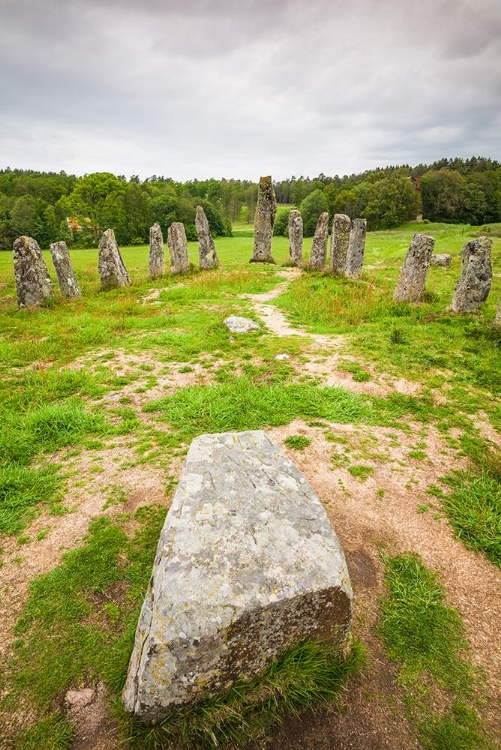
x=247 y=565
x=156 y=257
x=178 y=248
x=296 y=237
x=341 y=228
x=356 y=249
x=474 y=283
x=66 y=278
x=206 y=249
x=412 y=280
x=33 y=283
x=441 y=260
x=263 y=222
x=111 y=266
x=236 y=324
x=318 y=255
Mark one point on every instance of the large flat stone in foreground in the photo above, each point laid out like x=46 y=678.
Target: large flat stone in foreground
x=247 y=565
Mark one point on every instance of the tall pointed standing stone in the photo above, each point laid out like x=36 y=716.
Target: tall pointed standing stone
x=356 y=249
x=341 y=228
x=264 y=220
x=33 y=283
x=318 y=255
x=412 y=280
x=111 y=266
x=207 y=255
x=66 y=278
x=156 y=257
x=178 y=248
x=296 y=237
x=474 y=283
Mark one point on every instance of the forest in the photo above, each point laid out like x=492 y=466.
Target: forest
x=53 y=206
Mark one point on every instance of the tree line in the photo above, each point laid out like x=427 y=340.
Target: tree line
x=51 y=206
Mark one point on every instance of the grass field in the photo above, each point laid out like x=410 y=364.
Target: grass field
x=392 y=411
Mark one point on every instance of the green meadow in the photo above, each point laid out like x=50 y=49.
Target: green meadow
x=100 y=392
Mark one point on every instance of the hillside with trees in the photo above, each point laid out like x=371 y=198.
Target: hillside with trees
x=52 y=206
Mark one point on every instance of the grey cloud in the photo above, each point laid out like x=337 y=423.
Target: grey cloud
x=194 y=88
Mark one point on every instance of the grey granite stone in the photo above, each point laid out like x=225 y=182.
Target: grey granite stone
x=474 y=283
x=356 y=249
x=295 y=237
x=156 y=257
x=33 y=284
x=412 y=280
x=497 y=319
x=341 y=228
x=247 y=566
x=178 y=248
x=66 y=278
x=206 y=250
x=111 y=266
x=318 y=255
x=236 y=324
x=441 y=260
x=264 y=220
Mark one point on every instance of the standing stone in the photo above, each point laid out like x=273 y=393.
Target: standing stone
x=156 y=258
x=111 y=266
x=341 y=228
x=206 y=250
x=474 y=283
x=66 y=278
x=356 y=249
x=264 y=220
x=412 y=280
x=247 y=566
x=441 y=260
x=318 y=255
x=178 y=248
x=296 y=237
x=33 y=283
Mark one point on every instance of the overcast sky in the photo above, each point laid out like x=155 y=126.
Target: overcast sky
x=242 y=88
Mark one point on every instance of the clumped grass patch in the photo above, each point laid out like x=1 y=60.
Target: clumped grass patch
x=52 y=733
x=474 y=509
x=473 y=504
x=21 y=488
x=298 y=442
x=240 y=404
x=419 y=630
x=361 y=471
x=47 y=428
x=459 y=728
x=310 y=674
x=427 y=638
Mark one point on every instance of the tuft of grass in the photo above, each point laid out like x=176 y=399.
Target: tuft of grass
x=21 y=488
x=239 y=404
x=309 y=674
x=298 y=442
x=52 y=733
x=361 y=471
x=474 y=510
x=427 y=637
x=459 y=728
x=419 y=630
x=47 y=428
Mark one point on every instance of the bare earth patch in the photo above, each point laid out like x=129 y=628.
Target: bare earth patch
x=367 y=523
